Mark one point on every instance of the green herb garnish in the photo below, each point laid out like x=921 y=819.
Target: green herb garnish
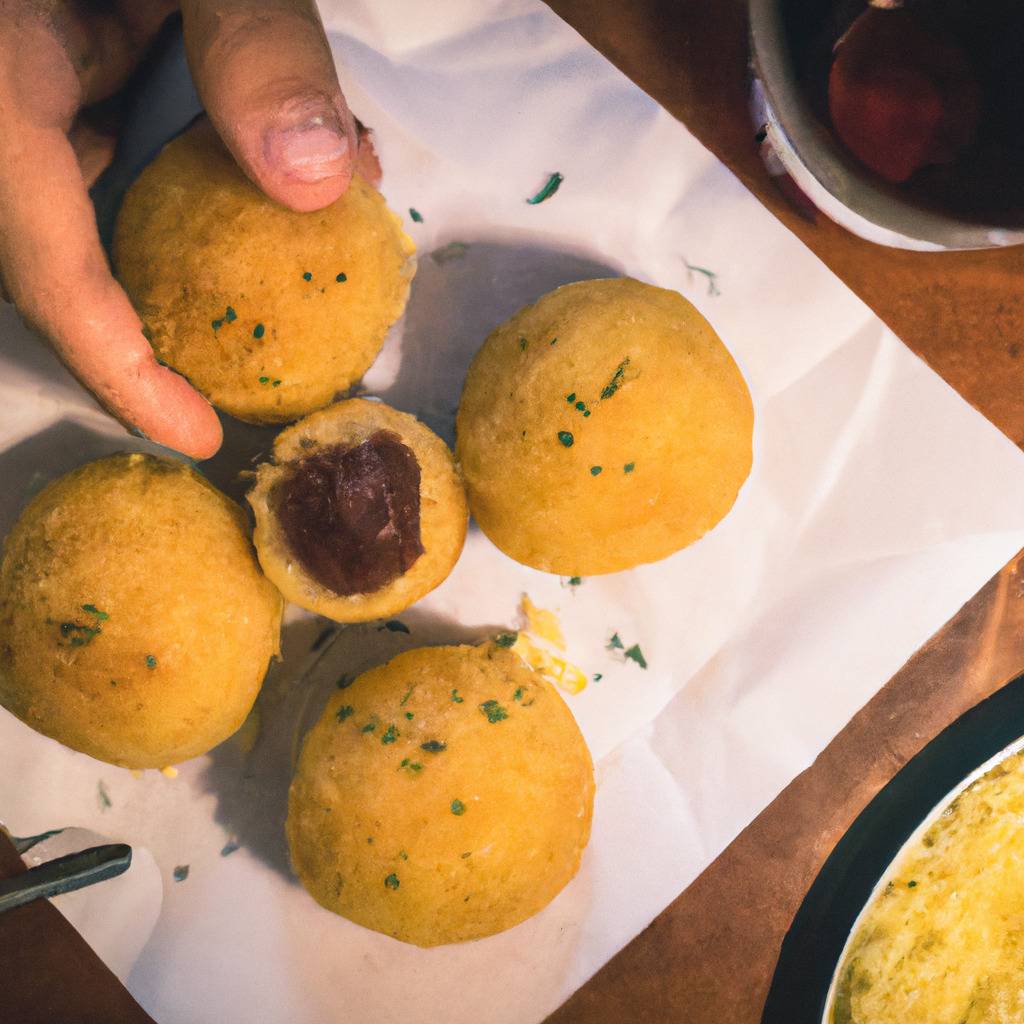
x=181 y=873
x=570 y=398
x=230 y=315
x=595 y=470
x=390 y=735
x=518 y=695
x=345 y=711
x=575 y=581
x=566 y=438
x=549 y=189
x=344 y=682
x=307 y=276
x=629 y=467
x=615 y=644
x=413 y=766
x=150 y=661
x=415 y=215
x=408 y=694
x=494 y=711
x=597 y=677
x=394 y=626
x=616 y=382
x=709 y=274
x=369 y=727
x=522 y=344
x=456 y=699
x=433 y=746
x=506 y=639
x=103 y=796
x=341 y=278
x=258 y=331
x=635 y=654
x=275 y=383
x=229 y=848
x=264 y=380
x=409 y=715
x=403 y=855
x=911 y=884
x=458 y=807
x=79 y=635
x=93 y=610
x=391 y=882
x=216 y=324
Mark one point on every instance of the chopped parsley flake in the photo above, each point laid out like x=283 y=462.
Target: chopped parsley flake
x=150 y=661
x=456 y=699
x=409 y=715
x=506 y=639
x=345 y=711
x=615 y=644
x=408 y=694
x=712 y=277
x=79 y=635
x=369 y=840
x=629 y=467
x=415 y=215
x=597 y=677
x=275 y=383
x=570 y=398
x=229 y=848
x=93 y=610
x=434 y=746
x=390 y=735
x=307 y=276
x=575 y=581
x=581 y=406
x=103 y=796
x=595 y=470
x=258 y=331
x=344 y=682
x=413 y=766
x=403 y=855
x=635 y=654
x=553 y=341
x=566 y=438
x=522 y=344
x=391 y=882
x=341 y=278
x=230 y=315
x=468 y=853
x=549 y=188
x=458 y=807
x=395 y=626
x=181 y=873
x=911 y=884
x=518 y=695
x=369 y=727
x=494 y=711
x=216 y=324
x=616 y=382
x=264 y=380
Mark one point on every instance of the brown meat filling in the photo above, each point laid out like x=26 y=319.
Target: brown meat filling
x=351 y=516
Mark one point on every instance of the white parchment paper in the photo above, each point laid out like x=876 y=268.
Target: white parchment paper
x=879 y=502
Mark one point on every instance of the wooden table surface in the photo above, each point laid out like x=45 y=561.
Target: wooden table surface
x=709 y=957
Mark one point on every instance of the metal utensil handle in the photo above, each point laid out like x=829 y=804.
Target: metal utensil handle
x=65 y=874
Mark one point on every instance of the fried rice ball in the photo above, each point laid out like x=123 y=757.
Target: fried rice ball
x=268 y=312
x=135 y=624
x=442 y=797
x=361 y=513
x=602 y=427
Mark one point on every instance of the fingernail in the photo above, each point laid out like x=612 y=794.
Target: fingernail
x=311 y=151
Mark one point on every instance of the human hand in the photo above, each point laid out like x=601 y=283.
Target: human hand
x=267 y=80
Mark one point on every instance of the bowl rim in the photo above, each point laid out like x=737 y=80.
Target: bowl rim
x=835 y=171
x=812 y=952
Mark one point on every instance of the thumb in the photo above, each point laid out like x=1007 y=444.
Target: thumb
x=266 y=77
